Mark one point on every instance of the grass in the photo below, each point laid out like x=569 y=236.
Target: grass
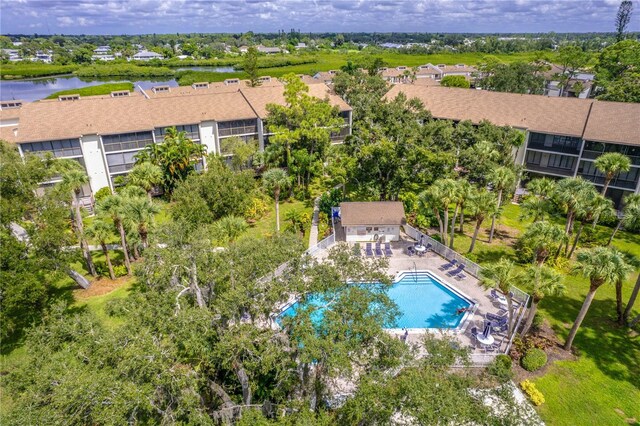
x=602 y=386
x=266 y=226
x=32 y=69
x=101 y=89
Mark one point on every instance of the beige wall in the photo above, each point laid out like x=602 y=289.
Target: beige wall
x=385 y=233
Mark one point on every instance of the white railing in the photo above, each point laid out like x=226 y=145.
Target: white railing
x=444 y=251
x=322 y=245
x=474 y=269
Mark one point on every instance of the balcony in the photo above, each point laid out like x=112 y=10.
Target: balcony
x=546 y=169
x=619 y=183
x=592 y=155
x=562 y=149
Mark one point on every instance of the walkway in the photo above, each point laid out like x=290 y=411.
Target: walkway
x=313 y=232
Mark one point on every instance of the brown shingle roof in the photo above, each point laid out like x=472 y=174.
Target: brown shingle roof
x=372 y=213
x=564 y=116
x=50 y=120
x=72 y=119
x=614 y=122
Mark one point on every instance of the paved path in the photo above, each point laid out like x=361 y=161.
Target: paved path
x=313 y=232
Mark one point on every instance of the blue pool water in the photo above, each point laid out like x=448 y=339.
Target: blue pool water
x=423 y=302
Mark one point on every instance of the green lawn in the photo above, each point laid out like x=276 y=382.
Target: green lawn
x=100 y=89
x=602 y=387
x=266 y=226
x=332 y=61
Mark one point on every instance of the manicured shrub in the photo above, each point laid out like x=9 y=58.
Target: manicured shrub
x=120 y=270
x=501 y=368
x=102 y=193
x=536 y=397
x=533 y=359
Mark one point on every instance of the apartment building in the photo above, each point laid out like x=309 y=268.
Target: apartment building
x=104 y=133
x=563 y=135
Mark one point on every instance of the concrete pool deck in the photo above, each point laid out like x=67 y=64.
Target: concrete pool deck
x=400 y=261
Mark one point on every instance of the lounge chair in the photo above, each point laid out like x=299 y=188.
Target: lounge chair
x=449 y=265
x=368 y=250
x=498 y=319
x=378 y=250
x=387 y=250
x=456 y=271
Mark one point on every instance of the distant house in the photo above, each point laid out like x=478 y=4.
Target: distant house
x=579 y=86
x=301 y=45
x=102 y=50
x=45 y=57
x=372 y=221
x=269 y=50
x=243 y=49
x=145 y=55
x=12 y=54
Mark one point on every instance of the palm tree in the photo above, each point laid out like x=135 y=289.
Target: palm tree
x=466 y=192
x=630 y=218
x=113 y=205
x=297 y=220
x=439 y=196
x=147 y=176
x=139 y=212
x=229 y=228
x=101 y=231
x=610 y=164
x=571 y=194
x=592 y=211
x=73 y=180
x=501 y=276
x=546 y=282
x=536 y=203
x=602 y=265
x=460 y=194
x=176 y=157
x=274 y=181
x=481 y=205
x=503 y=179
x=542 y=237
x=632 y=301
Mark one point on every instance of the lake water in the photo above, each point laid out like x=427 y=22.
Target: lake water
x=208 y=69
x=32 y=90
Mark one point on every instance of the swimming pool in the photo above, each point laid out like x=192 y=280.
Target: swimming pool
x=423 y=300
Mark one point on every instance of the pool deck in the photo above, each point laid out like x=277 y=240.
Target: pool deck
x=469 y=286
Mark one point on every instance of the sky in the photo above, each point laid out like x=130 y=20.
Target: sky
x=233 y=16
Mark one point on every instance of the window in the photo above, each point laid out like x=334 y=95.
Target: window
x=121 y=162
x=119 y=93
x=534 y=157
x=537 y=138
x=237 y=127
x=10 y=104
x=59 y=148
x=192 y=131
x=126 y=141
x=561 y=162
x=566 y=141
x=69 y=97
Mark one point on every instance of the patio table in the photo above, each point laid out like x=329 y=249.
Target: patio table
x=489 y=340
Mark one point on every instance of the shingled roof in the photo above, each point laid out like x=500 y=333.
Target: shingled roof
x=372 y=213
x=586 y=118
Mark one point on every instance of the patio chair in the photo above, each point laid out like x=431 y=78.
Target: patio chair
x=387 y=249
x=493 y=294
x=368 y=250
x=411 y=251
x=378 y=250
x=449 y=265
x=474 y=332
x=496 y=318
x=456 y=271
x=429 y=246
x=491 y=348
x=460 y=276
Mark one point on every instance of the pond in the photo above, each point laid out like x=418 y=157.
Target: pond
x=40 y=88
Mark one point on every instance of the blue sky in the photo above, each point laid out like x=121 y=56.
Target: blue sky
x=171 y=16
